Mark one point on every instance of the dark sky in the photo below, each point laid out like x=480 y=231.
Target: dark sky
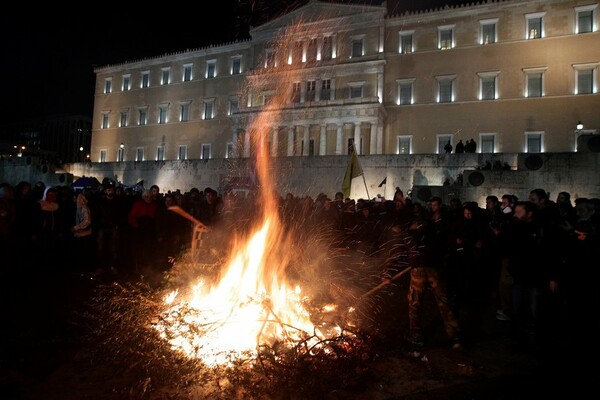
x=48 y=58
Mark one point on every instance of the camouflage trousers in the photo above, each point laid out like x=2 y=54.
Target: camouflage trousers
x=421 y=279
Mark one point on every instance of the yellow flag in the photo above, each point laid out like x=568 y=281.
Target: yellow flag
x=352 y=171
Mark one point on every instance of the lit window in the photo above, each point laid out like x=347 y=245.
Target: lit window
x=162 y=114
x=356 y=90
x=311 y=51
x=123 y=119
x=160 y=153
x=445 y=88
x=182 y=152
x=126 y=83
x=585 y=18
x=120 y=154
x=446 y=37
x=269 y=58
x=488 y=142
x=236 y=65
x=234 y=106
x=143 y=116
x=534 y=82
x=488 y=85
x=187 y=72
x=205 y=154
x=535 y=26
x=211 y=69
x=404 y=144
x=357 y=48
x=145 y=79
x=586 y=78
x=442 y=141
x=107 y=85
x=327 y=51
x=406 y=42
x=229 y=151
x=296 y=91
x=139 y=154
x=209 y=109
x=534 y=142
x=105 y=119
x=297 y=53
x=488 y=31
x=184 y=112
x=166 y=76
x=405 y=91
x=102 y=156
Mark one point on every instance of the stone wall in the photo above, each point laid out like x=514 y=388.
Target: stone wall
x=437 y=174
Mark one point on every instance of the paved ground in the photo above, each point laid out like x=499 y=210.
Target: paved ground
x=41 y=353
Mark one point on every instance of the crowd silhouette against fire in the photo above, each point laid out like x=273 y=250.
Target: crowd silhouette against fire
x=533 y=260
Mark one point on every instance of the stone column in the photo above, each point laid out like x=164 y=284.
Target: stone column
x=290 y=147
x=246 y=143
x=339 y=139
x=275 y=142
x=357 y=138
x=373 y=139
x=323 y=141
x=306 y=140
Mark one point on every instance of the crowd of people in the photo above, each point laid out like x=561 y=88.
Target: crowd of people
x=534 y=259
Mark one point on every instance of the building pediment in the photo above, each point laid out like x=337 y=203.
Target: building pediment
x=319 y=16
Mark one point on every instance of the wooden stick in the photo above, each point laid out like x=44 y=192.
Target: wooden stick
x=383 y=284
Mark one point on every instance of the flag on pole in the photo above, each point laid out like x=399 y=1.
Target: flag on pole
x=383 y=182
x=352 y=171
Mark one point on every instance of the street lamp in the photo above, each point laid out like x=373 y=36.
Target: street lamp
x=578 y=131
x=579 y=126
x=122 y=145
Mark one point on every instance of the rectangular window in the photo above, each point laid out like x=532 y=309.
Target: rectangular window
x=205 y=153
x=120 y=154
x=488 y=143
x=145 y=79
x=236 y=65
x=296 y=91
x=326 y=89
x=405 y=91
x=105 y=120
x=139 y=154
x=585 y=81
x=327 y=51
x=187 y=72
x=535 y=26
x=143 y=116
x=184 y=115
x=234 y=106
x=297 y=52
x=488 y=31
x=356 y=91
x=107 y=85
x=211 y=69
x=488 y=85
x=102 y=156
x=445 y=90
x=123 y=119
x=166 y=76
x=534 y=142
x=585 y=18
x=445 y=37
x=209 y=109
x=534 y=85
x=269 y=58
x=442 y=141
x=406 y=42
x=404 y=144
x=162 y=114
x=311 y=87
x=229 y=151
x=311 y=51
x=357 y=48
x=160 y=153
x=182 y=152
x=126 y=83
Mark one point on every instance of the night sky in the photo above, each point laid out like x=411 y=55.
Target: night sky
x=48 y=59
